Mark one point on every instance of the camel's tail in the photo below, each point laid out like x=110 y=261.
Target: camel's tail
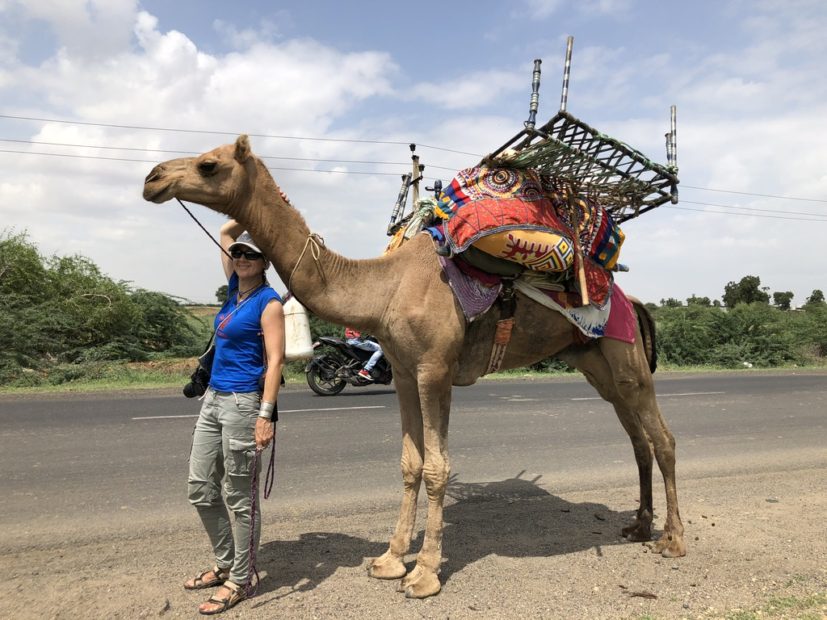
x=647 y=332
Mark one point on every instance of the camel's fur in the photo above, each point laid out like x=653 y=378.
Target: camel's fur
x=405 y=301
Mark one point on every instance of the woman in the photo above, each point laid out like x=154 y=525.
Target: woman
x=236 y=419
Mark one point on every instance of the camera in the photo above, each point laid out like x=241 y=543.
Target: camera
x=199 y=381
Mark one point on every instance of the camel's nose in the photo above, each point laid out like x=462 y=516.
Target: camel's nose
x=155 y=174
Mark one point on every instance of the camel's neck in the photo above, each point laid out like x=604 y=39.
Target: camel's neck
x=340 y=290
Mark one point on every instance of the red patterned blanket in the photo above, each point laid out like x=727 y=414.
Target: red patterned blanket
x=527 y=217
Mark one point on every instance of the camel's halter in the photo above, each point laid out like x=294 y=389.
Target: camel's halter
x=250 y=589
x=315 y=243
x=207 y=232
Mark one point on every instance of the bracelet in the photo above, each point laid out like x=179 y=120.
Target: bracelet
x=268 y=411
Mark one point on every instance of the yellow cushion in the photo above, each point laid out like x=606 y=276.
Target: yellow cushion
x=535 y=249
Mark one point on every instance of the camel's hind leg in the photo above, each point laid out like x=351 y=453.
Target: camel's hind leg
x=620 y=373
x=390 y=564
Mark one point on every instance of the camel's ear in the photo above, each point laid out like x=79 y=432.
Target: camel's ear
x=242 y=148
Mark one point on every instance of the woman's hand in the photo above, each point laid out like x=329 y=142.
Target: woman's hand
x=265 y=431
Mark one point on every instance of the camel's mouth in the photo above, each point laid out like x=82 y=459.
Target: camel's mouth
x=155 y=186
x=156 y=194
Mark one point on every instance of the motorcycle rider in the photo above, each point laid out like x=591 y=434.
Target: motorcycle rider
x=354 y=339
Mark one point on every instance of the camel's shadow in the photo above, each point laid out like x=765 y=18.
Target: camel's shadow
x=518 y=518
x=513 y=518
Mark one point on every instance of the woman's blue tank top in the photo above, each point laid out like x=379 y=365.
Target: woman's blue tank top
x=239 y=345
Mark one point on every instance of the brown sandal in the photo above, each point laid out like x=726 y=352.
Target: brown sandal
x=237 y=594
x=220 y=575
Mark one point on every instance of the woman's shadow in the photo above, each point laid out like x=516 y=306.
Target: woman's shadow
x=514 y=518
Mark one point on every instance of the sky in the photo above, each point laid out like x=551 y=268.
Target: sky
x=94 y=93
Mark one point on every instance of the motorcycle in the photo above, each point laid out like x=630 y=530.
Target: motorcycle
x=337 y=364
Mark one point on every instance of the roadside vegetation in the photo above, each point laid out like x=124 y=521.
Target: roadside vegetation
x=68 y=326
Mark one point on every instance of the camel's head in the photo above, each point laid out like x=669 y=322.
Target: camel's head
x=219 y=179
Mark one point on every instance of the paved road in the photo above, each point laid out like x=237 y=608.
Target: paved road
x=74 y=461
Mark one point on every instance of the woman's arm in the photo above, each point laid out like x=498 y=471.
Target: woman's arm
x=229 y=232
x=272 y=327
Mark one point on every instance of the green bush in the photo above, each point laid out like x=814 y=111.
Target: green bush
x=750 y=333
x=60 y=316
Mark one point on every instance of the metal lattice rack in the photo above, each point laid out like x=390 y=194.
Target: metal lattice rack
x=622 y=179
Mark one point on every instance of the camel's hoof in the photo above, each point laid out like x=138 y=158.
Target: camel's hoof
x=387 y=566
x=638 y=532
x=670 y=546
x=420 y=583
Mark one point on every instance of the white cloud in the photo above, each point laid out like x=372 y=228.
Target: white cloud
x=470 y=91
x=541 y=9
x=91 y=28
x=269 y=29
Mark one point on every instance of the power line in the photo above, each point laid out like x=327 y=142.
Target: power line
x=318 y=160
x=318 y=139
x=351 y=172
x=146 y=161
x=732 y=191
x=709 y=204
x=232 y=133
x=171 y=152
x=776 y=217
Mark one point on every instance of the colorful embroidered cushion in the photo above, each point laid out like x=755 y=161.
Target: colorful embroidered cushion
x=538 y=250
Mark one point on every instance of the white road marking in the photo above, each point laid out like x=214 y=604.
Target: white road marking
x=172 y=417
x=658 y=395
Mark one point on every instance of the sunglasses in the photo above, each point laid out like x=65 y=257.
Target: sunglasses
x=249 y=254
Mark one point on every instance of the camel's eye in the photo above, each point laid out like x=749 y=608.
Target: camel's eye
x=207 y=168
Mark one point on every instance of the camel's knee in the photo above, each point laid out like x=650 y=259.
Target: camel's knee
x=411 y=472
x=411 y=464
x=436 y=476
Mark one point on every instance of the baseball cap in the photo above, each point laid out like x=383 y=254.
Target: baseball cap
x=246 y=240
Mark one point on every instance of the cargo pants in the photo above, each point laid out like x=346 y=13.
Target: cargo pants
x=223 y=450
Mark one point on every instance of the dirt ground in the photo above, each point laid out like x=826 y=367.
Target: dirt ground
x=756 y=549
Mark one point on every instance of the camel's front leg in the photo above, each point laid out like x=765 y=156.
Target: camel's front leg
x=390 y=564
x=435 y=397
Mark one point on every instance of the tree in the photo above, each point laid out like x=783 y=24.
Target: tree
x=782 y=299
x=698 y=301
x=746 y=291
x=671 y=302
x=815 y=298
x=221 y=293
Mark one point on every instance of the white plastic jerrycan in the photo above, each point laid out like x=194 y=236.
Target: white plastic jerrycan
x=297 y=342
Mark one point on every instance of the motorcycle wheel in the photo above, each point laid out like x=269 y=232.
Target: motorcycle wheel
x=323 y=386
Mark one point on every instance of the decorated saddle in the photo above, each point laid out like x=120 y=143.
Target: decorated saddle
x=533 y=220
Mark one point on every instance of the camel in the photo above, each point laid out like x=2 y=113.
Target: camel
x=404 y=299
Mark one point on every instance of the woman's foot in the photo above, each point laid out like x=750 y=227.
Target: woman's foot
x=208 y=579
x=228 y=595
